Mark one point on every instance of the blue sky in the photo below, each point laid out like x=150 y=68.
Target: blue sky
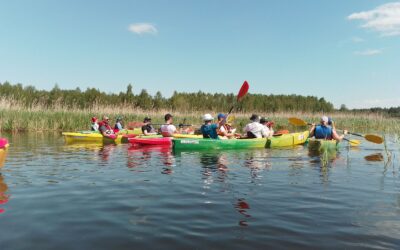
x=345 y=51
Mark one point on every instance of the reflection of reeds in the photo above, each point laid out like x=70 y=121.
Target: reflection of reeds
x=15 y=117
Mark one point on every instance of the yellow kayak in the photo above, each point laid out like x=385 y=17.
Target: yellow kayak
x=287 y=140
x=91 y=136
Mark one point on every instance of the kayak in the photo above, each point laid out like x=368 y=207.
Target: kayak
x=151 y=141
x=287 y=140
x=135 y=131
x=199 y=144
x=3 y=150
x=72 y=137
x=187 y=136
x=321 y=145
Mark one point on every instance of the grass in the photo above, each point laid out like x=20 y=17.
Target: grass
x=15 y=118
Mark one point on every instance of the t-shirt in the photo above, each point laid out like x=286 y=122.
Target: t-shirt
x=209 y=131
x=167 y=130
x=148 y=128
x=256 y=129
x=95 y=126
x=118 y=126
x=267 y=132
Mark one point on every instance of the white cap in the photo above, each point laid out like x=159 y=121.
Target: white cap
x=324 y=119
x=208 y=117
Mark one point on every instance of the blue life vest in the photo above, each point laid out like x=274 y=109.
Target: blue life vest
x=323 y=132
x=209 y=131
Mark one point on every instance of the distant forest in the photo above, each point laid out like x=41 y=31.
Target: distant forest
x=30 y=97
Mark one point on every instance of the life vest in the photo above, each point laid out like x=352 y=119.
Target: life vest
x=323 y=132
x=109 y=130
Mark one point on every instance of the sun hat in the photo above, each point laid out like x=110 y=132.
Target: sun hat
x=208 y=117
x=324 y=119
x=255 y=117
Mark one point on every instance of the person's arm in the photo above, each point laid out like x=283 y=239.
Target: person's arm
x=312 y=130
x=338 y=137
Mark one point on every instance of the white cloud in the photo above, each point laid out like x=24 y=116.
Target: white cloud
x=143 y=28
x=368 y=52
x=384 y=19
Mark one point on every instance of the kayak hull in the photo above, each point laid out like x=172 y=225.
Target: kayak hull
x=151 y=141
x=288 y=140
x=3 y=151
x=76 y=137
x=211 y=144
x=321 y=145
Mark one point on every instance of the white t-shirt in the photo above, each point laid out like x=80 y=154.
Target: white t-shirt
x=167 y=130
x=256 y=128
x=267 y=132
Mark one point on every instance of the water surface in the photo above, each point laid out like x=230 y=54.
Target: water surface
x=57 y=196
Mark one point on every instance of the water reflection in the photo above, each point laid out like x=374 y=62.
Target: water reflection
x=4 y=197
x=139 y=155
x=242 y=207
x=374 y=157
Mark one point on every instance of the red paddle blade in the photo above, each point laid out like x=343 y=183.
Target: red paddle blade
x=243 y=90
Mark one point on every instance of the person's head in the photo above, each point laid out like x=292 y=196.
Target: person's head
x=254 y=118
x=119 y=119
x=147 y=119
x=263 y=121
x=106 y=119
x=168 y=117
x=221 y=116
x=207 y=118
x=94 y=119
x=330 y=121
x=324 y=120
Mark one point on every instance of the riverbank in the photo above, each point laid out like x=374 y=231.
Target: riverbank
x=23 y=120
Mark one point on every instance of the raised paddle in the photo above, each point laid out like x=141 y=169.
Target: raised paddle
x=299 y=122
x=242 y=92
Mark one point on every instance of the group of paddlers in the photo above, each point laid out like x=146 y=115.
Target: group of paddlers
x=258 y=127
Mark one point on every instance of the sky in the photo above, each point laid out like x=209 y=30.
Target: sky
x=345 y=51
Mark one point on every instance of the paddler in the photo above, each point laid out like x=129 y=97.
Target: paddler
x=105 y=128
x=209 y=129
x=225 y=129
x=325 y=131
x=168 y=129
x=118 y=125
x=267 y=127
x=94 y=126
x=147 y=128
x=255 y=129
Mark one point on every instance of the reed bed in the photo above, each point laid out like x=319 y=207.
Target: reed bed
x=15 y=118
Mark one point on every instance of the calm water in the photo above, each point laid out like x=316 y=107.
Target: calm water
x=119 y=197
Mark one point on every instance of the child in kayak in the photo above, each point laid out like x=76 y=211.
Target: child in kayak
x=324 y=131
x=225 y=130
x=147 y=128
x=209 y=129
x=94 y=126
x=118 y=125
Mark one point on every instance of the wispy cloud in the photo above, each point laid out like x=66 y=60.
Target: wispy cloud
x=357 y=39
x=368 y=52
x=384 y=19
x=143 y=28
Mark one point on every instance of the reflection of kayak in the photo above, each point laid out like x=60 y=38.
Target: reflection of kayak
x=194 y=144
x=151 y=141
x=72 y=137
x=287 y=140
x=3 y=150
x=187 y=136
x=322 y=145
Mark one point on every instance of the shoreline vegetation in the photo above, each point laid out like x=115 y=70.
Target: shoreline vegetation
x=24 y=109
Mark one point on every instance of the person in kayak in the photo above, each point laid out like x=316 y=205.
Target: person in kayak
x=209 y=129
x=325 y=131
x=147 y=128
x=118 y=125
x=94 y=126
x=255 y=129
x=105 y=128
x=267 y=127
x=225 y=130
x=168 y=129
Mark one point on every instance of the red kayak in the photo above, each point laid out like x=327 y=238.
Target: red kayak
x=151 y=141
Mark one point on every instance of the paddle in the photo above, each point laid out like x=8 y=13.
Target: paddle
x=299 y=122
x=242 y=92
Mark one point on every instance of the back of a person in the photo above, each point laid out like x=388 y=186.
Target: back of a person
x=254 y=130
x=209 y=131
x=167 y=130
x=323 y=132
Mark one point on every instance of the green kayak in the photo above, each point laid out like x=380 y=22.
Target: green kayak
x=207 y=144
x=321 y=145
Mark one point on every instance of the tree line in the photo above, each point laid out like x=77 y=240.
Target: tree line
x=29 y=97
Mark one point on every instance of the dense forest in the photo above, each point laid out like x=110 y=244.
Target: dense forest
x=29 y=96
